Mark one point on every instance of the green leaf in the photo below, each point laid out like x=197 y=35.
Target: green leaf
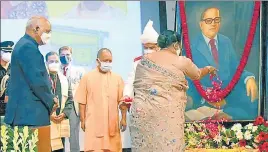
x=232 y=133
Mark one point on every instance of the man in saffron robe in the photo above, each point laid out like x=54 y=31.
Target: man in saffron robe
x=99 y=94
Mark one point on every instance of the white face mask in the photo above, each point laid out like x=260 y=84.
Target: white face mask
x=148 y=51
x=6 y=56
x=45 y=37
x=54 y=67
x=178 y=51
x=106 y=66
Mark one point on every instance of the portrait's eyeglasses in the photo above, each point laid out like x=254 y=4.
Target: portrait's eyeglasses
x=210 y=20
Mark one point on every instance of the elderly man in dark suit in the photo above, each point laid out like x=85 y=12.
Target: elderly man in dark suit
x=30 y=100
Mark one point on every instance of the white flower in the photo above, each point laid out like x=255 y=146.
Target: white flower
x=248 y=147
x=254 y=128
x=218 y=138
x=239 y=135
x=227 y=141
x=249 y=126
x=233 y=145
x=191 y=128
x=187 y=130
x=224 y=147
x=223 y=129
x=255 y=145
x=248 y=135
x=236 y=127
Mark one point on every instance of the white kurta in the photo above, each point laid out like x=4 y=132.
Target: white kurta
x=74 y=75
x=128 y=91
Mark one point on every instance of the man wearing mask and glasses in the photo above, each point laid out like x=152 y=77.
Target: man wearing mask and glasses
x=31 y=101
x=61 y=87
x=74 y=75
x=99 y=94
x=214 y=49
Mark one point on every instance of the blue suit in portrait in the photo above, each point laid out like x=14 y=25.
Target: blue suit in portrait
x=238 y=104
x=30 y=98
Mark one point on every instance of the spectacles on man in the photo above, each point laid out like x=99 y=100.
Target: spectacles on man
x=210 y=20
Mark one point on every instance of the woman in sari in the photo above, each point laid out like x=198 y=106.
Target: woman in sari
x=157 y=112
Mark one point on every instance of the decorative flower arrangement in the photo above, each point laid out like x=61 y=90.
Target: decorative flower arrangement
x=18 y=139
x=216 y=136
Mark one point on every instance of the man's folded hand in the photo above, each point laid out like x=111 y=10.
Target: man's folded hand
x=56 y=104
x=60 y=117
x=53 y=118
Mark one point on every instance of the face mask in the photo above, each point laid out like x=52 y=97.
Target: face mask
x=45 y=37
x=148 y=51
x=178 y=51
x=6 y=56
x=105 y=66
x=54 y=67
x=65 y=59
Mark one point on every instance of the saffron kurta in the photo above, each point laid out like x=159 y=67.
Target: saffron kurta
x=101 y=92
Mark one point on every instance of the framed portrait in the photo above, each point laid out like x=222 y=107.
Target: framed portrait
x=218 y=32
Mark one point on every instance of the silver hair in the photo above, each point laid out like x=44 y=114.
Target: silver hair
x=34 y=21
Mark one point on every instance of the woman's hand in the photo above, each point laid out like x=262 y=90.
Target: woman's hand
x=211 y=70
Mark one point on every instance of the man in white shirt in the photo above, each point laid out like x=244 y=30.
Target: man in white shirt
x=149 y=41
x=74 y=75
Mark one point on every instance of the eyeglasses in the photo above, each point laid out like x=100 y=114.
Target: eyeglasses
x=65 y=55
x=53 y=61
x=210 y=20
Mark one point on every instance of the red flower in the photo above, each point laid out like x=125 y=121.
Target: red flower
x=128 y=99
x=262 y=136
x=265 y=123
x=264 y=147
x=213 y=129
x=266 y=137
x=242 y=143
x=259 y=120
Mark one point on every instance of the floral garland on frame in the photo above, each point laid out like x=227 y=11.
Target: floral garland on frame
x=216 y=95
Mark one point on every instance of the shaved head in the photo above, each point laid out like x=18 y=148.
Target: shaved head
x=103 y=50
x=36 y=26
x=104 y=55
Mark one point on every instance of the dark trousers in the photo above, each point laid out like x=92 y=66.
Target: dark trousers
x=61 y=150
x=126 y=149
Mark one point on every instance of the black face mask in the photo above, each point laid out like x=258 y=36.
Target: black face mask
x=65 y=59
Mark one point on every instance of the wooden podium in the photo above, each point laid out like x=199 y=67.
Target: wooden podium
x=43 y=144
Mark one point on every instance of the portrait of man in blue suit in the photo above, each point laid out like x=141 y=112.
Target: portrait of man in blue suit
x=209 y=47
